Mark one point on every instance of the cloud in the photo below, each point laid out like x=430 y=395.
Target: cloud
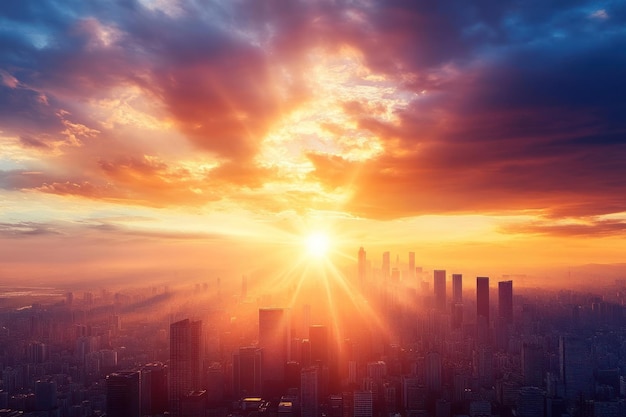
x=496 y=106
x=593 y=227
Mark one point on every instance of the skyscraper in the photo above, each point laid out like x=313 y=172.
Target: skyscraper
x=185 y=361
x=482 y=298
x=505 y=300
x=275 y=341
x=247 y=372
x=318 y=337
x=123 y=398
x=309 y=391
x=386 y=268
x=439 y=285
x=457 y=288
x=362 y=266
x=575 y=367
x=411 y=265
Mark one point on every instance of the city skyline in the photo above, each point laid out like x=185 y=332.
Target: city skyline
x=145 y=140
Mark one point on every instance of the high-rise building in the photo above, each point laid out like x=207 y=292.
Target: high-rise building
x=457 y=316
x=457 y=288
x=247 y=372
x=363 y=404
x=185 y=361
x=505 y=300
x=153 y=389
x=439 y=285
x=433 y=371
x=482 y=298
x=362 y=266
x=575 y=367
x=275 y=341
x=318 y=338
x=309 y=391
x=411 y=265
x=386 y=268
x=123 y=394
x=532 y=365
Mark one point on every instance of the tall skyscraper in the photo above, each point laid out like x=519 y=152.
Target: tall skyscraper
x=482 y=298
x=309 y=391
x=411 y=265
x=275 y=341
x=362 y=267
x=386 y=268
x=433 y=371
x=575 y=367
x=318 y=337
x=439 y=284
x=247 y=372
x=505 y=300
x=457 y=288
x=185 y=361
x=123 y=398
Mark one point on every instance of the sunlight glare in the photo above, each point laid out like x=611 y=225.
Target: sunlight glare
x=317 y=244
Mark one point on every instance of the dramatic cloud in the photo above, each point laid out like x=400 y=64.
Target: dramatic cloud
x=382 y=109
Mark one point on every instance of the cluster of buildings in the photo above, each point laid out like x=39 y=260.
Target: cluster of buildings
x=395 y=341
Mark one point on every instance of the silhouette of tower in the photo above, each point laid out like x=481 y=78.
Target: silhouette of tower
x=482 y=298
x=318 y=337
x=275 y=341
x=575 y=367
x=457 y=288
x=439 y=285
x=123 y=397
x=386 y=268
x=247 y=372
x=483 y=333
x=185 y=361
x=362 y=266
x=505 y=300
x=411 y=265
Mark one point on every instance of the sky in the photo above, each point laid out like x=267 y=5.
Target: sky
x=145 y=138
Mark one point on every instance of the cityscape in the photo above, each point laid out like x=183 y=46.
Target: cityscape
x=312 y=208
x=398 y=340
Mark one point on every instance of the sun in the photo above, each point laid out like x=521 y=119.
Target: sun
x=317 y=244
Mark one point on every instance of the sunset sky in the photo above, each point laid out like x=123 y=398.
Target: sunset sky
x=159 y=135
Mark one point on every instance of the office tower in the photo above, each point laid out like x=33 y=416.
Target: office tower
x=530 y=402
x=318 y=338
x=482 y=298
x=185 y=361
x=411 y=265
x=45 y=395
x=575 y=367
x=244 y=287
x=457 y=288
x=482 y=363
x=309 y=391
x=363 y=404
x=439 y=285
x=153 y=389
x=123 y=398
x=386 y=268
x=505 y=300
x=362 y=266
x=433 y=371
x=275 y=341
x=247 y=372
x=532 y=365
x=457 y=316
x=193 y=404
